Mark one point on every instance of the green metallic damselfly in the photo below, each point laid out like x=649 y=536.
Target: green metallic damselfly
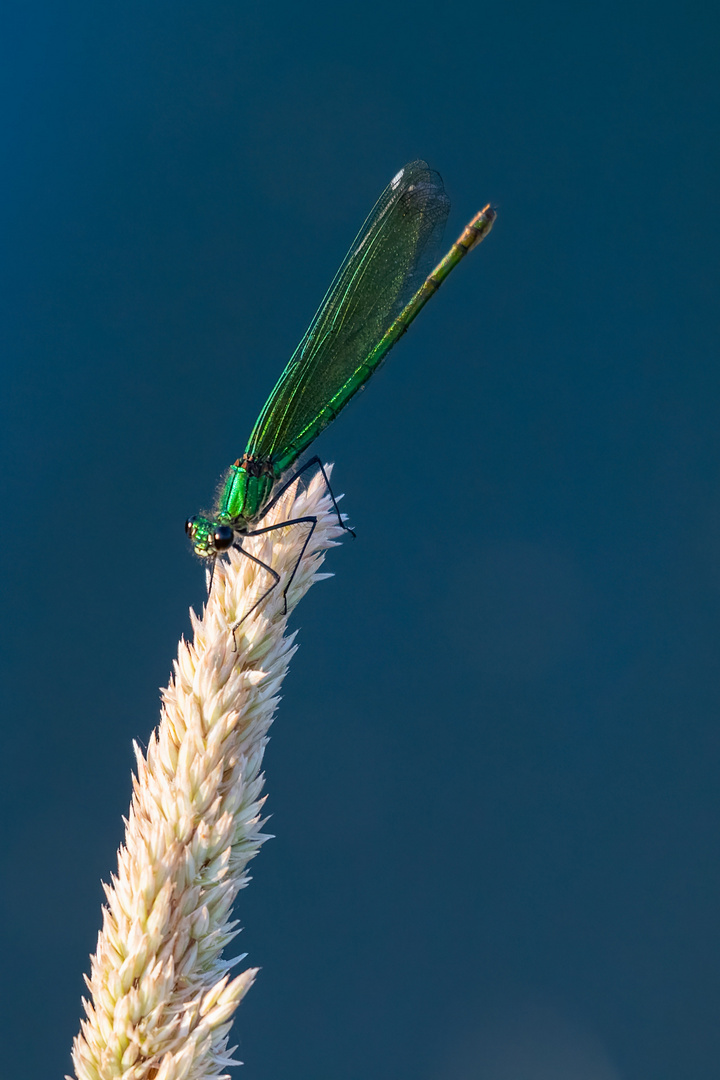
x=370 y=304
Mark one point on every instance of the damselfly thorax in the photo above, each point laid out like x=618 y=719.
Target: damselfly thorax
x=245 y=493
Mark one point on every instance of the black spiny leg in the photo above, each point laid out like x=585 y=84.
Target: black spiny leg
x=312 y=522
x=212 y=576
x=308 y=465
x=276 y=582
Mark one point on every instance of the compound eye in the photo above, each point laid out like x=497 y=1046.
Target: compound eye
x=189 y=525
x=223 y=537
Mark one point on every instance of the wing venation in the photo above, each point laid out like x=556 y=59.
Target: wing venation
x=385 y=265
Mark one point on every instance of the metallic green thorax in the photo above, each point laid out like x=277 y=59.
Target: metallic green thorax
x=246 y=489
x=245 y=492
x=370 y=304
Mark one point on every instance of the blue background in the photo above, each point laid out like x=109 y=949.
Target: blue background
x=494 y=775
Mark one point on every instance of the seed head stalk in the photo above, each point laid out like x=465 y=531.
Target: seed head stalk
x=162 y=996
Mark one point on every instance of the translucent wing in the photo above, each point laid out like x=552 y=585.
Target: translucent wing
x=382 y=270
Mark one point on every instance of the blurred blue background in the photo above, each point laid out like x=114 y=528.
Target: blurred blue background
x=494 y=775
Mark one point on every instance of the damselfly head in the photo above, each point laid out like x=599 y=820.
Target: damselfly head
x=208 y=537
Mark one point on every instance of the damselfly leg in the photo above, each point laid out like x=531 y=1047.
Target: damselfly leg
x=310 y=520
